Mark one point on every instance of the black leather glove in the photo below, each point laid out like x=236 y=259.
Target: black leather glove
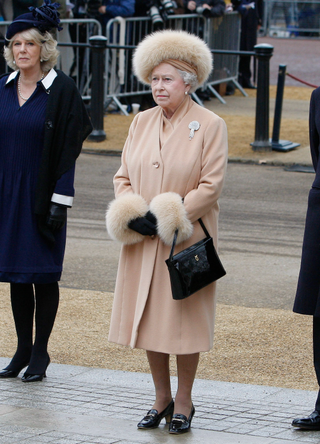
x=144 y=225
x=57 y=216
x=151 y=218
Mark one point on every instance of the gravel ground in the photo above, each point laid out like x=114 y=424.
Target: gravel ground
x=252 y=345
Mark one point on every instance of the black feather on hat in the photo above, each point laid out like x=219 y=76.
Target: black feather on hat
x=44 y=18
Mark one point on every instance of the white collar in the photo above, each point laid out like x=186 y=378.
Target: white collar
x=46 y=82
x=12 y=76
x=49 y=78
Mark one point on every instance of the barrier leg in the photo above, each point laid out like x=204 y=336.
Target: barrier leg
x=216 y=94
x=119 y=105
x=196 y=99
x=237 y=84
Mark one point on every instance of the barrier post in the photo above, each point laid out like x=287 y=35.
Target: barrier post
x=263 y=53
x=98 y=44
x=280 y=145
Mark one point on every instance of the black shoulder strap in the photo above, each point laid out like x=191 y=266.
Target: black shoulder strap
x=176 y=235
x=203 y=227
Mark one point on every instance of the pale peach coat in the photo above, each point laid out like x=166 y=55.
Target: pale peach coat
x=159 y=157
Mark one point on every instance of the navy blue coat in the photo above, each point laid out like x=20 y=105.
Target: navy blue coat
x=307 y=299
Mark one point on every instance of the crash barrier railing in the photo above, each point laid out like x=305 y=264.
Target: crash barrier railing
x=221 y=33
x=262 y=53
x=99 y=44
x=74 y=49
x=223 y=36
x=75 y=60
x=291 y=18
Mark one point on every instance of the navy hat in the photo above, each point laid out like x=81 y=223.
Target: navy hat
x=44 y=18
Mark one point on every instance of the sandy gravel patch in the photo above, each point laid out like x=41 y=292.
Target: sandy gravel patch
x=252 y=345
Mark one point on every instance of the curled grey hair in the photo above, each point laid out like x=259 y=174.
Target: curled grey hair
x=189 y=79
x=48 y=54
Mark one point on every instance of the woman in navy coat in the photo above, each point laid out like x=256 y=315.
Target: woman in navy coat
x=307 y=299
x=43 y=123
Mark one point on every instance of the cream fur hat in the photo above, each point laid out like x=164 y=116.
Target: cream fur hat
x=175 y=45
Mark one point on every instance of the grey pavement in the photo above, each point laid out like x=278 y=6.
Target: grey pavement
x=88 y=405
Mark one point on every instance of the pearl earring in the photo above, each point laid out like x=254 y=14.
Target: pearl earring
x=41 y=60
x=186 y=93
x=14 y=62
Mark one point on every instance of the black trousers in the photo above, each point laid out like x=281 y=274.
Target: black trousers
x=316 y=354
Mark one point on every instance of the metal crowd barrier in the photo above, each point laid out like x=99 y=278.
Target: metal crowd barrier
x=73 y=60
x=220 y=33
x=224 y=34
x=291 y=18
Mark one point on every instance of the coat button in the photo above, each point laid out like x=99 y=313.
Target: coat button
x=49 y=124
x=156 y=164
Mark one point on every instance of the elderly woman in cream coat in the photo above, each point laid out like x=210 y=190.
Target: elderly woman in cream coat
x=170 y=176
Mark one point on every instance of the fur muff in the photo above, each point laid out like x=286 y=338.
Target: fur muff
x=178 y=45
x=120 y=212
x=171 y=214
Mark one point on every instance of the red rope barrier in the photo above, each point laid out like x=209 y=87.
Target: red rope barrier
x=302 y=81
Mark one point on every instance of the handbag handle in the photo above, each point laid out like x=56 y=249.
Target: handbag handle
x=176 y=236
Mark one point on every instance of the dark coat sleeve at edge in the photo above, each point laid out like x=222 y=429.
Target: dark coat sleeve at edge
x=313 y=132
x=66 y=127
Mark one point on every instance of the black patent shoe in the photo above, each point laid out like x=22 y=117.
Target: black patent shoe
x=30 y=377
x=153 y=418
x=7 y=373
x=180 y=423
x=311 y=422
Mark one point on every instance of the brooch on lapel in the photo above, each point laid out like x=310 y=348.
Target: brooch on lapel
x=193 y=126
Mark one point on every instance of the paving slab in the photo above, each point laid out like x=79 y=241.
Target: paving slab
x=88 y=405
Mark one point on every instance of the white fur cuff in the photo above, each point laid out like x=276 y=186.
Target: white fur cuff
x=120 y=212
x=171 y=214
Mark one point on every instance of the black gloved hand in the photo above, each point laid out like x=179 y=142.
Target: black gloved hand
x=151 y=218
x=57 y=216
x=144 y=225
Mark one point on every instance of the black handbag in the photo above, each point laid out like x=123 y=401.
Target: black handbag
x=195 y=267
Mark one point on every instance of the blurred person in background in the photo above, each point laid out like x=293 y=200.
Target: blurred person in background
x=209 y=8
x=251 y=20
x=22 y=6
x=110 y=9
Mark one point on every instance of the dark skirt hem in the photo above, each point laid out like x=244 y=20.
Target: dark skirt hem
x=29 y=278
